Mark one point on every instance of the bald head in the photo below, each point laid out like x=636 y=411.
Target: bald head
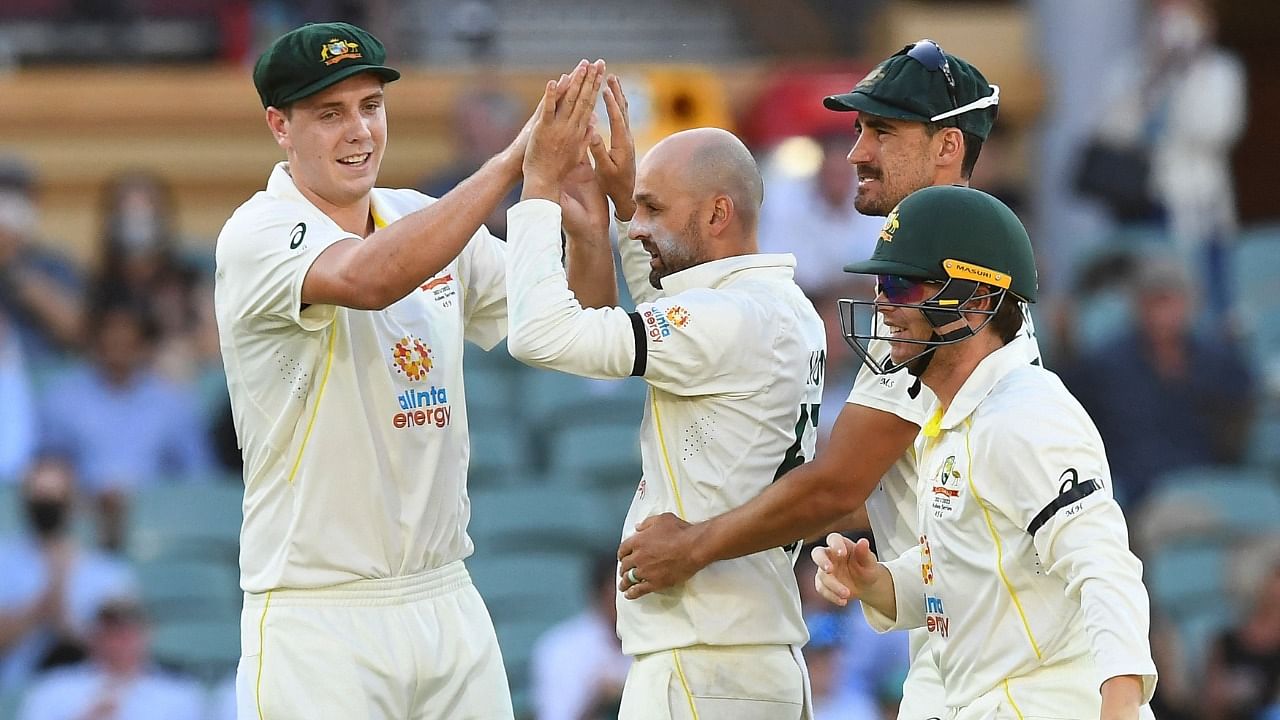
x=709 y=161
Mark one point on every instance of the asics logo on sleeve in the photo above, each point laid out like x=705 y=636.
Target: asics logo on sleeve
x=296 y=235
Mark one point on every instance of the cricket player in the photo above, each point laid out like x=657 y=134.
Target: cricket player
x=734 y=356
x=922 y=117
x=1022 y=574
x=342 y=309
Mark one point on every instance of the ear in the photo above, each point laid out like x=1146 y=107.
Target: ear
x=950 y=150
x=279 y=125
x=722 y=214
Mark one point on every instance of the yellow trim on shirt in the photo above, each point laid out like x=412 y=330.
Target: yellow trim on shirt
x=1016 y=710
x=934 y=426
x=684 y=683
x=666 y=459
x=995 y=536
x=315 y=410
x=262 y=641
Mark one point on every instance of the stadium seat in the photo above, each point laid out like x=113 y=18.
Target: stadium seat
x=1256 y=265
x=499 y=454
x=189 y=589
x=193 y=520
x=551 y=400
x=604 y=454
x=207 y=649
x=517 y=637
x=542 y=517
x=12 y=521
x=1246 y=501
x=543 y=586
x=1184 y=576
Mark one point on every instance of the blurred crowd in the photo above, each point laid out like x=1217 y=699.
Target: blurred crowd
x=111 y=383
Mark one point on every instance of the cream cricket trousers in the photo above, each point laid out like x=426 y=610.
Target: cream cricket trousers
x=419 y=647
x=708 y=682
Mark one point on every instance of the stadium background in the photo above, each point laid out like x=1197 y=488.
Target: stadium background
x=159 y=89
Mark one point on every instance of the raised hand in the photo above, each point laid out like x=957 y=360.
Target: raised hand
x=616 y=163
x=557 y=141
x=584 y=208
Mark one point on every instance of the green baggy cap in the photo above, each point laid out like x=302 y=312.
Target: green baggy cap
x=304 y=61
x=904 y=87
x=950 y=231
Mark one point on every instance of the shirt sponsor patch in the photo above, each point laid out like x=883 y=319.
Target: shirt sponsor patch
x=419 y=406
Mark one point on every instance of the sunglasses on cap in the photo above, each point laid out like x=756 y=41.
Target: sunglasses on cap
x=901 y=290
x=929 y=54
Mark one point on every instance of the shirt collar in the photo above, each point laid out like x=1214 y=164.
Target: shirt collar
x=714 y=273
x=977 y=387
x=280 y=184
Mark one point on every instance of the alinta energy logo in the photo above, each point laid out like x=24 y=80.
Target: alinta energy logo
x=419 y=406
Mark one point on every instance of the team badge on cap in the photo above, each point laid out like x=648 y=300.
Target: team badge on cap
x=890 y=226
x=337 y=50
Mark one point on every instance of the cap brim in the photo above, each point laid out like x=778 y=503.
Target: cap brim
x=382 y=71
x=861 y=102
x=889 y=267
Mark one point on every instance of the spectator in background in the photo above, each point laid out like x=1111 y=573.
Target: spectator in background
x=50 y=586
x=578 y=667
x=124 y=425
x=483 y=124
x=118 y=681
x=18 y=420
x=1243 y=674
x=40 y=291
x=1163 y=395
x=141 y=259
x=1183 y=99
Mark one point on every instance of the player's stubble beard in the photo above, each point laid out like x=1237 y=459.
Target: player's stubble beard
x=678 y=253
x=890 y=189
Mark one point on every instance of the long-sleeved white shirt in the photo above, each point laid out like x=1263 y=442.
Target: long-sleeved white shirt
x=353 y=422
x=734 y=355
x=1023 y=565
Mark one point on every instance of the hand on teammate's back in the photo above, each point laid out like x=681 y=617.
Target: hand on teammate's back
x=558 y=139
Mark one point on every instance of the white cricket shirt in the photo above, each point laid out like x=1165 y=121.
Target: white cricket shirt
x=1023 y=562
x=352 y=423
x=734 y=355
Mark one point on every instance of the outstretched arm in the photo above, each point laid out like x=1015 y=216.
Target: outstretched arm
x=865 y=443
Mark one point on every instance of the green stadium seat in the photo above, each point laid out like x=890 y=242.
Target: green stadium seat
x=194 y=520
x=189 y=589
x=542 y=517
x=538 y=585
x=207 y=649
x=605 y=454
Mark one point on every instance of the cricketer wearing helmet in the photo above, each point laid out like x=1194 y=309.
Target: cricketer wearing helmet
x=921 y=118
x=1023 y=576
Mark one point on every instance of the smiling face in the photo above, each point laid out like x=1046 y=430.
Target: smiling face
x=893 y=159
x=666 y=221
x=334 y=141
x=902 y=323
